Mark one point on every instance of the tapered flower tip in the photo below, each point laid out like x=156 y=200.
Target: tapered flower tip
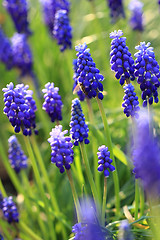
x=144 y=46
x=135 y=5
x=124 y=231
x=12 y=139
x=81 y=47
x=57 y=134
x=50 y=87
x=116 y=34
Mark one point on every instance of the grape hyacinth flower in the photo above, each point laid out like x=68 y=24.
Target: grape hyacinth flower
x=131 y=102
x=116 y=9
x=79 y=129
x=79 y=230
x=52 y=104
x=104 y=161
x=147 y=73
x=146 y=157
x=61 y=146
x=62 y=30
x=121 y=61
x=76 y=88
x=1 y=200
x=17 y=158
x=5 y=51
x=49 y=10
x=89 y=77
x=20 y=108
x=1 y=237
x=136 y=20
x=9 y=209
x=124 y=231
x=18 y=11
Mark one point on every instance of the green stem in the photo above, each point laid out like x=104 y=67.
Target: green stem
x=40 y=186
x=5 y=231
x=28 y=231
x=104 y=201
x=142 y=202
x=3 y=191
x=89 y=174
x=136 y=199
x=74 y=193
x=109 y=145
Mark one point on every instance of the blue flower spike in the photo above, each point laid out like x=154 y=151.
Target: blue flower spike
x=136 y=20
x=121 y=61
x=20 y=108
x=53 y=103
x=62 y=30
x=17 y=158
x=18 y=11
x=79 y=129
x=131 y=103
x=61 y=146
x=116 y=9
x=89 y=77
x=9 y=209
x=125 y=231
x=147 y=73
x=104 y=161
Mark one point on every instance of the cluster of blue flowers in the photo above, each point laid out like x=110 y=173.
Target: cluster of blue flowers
x=17 y=158
x=89 y=77
x=121 y=60
x=61 y=146
x=116 y=9
x=79 y=231
x=79 y=129
x=62 y=30
x=20 y=108
x=104 y=161
x=52 y=104
x=131 y=102
x=147 y=73
x=136 y=20
x=18 y=11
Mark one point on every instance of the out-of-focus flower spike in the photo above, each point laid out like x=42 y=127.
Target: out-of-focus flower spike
x=52 y=104
x=147 y=73
x=121 y=61
x=136 y=20
x=1 y=200
x=79 y=129
x=61 y=146
x=17 y=158
x=62 y=30
x=18 y=11
x=116 y=9
x=9 y=209
x=125 y=231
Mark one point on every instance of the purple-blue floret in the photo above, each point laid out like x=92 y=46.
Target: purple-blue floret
x=104 y=161
x=147 y=73
x=20 y=108
x=79 y=129
x=1 y=200
x=9 y=209
x=136 y=20
x=17 y=158
x=121 y=61
x=61 y=146
x=53 y=103
x=89 y=76
x=79 y=230
x=116 y=9
x=62 y=30
x=131 y=103
x=18 y=11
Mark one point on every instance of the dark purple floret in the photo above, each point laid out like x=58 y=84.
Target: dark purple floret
x=1 y=237
x=125 y=231
x=79 y=129
x=147 y=73
x=131 y=103
x=10 y=211
x=104 y=161
x=62 y=30
x=50 y=7
x=18 y=10
x=76 y=87
x=17 y=158
x=121 y=61
x=116 y=9
x=52 y=104
x=136 y=20
x=61 y=146
x=20 y=108
x=1 y=200
x=146 y=157
x=89 y=77
x=6 y=55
